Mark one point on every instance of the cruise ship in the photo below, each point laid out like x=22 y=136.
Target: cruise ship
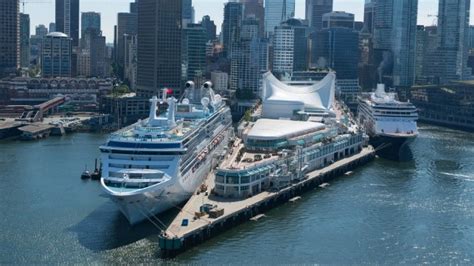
x=294 y=131
x=156 y=164
x=390 y=124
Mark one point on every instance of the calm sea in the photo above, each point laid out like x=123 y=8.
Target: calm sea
x=420 y=211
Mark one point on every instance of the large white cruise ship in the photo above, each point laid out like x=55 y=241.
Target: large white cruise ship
x=156 y=164
x=391 y=124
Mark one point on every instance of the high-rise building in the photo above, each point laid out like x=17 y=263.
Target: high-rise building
x=159 y=47
x=233 y=15
x=276 y=12
x=194 y=51
x=449 y=61
x=210 y=27
x=220 y=81
x=338 y=19
x=90 y=21
x=24 y=40
x=41 y=30
x=56 y=55
x=130 y=67
x=254 y=8
x=394 y=41
x=369 y=14
x=290 y=47
x=9 y=36
x=67 y=19
x=127 y=24
x=187 y=11
x=315 y=9
x=52 y=27
x=92 y=54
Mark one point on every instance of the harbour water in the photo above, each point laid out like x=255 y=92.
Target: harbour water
x=386 y=212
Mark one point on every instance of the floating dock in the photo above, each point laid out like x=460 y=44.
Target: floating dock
x=192 y=227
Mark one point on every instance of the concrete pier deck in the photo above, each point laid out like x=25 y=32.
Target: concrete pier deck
x=187 y=230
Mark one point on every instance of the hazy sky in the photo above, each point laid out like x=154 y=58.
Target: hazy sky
x=42 y=11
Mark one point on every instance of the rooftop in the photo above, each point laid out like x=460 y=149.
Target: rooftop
x=269 y=129
x=57 y=34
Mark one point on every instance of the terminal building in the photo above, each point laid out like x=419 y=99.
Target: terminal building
x=296 y=130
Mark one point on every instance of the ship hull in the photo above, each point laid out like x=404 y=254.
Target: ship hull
x=142 y=205
x=393 y=148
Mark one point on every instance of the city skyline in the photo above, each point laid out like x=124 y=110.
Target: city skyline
x=43 y=13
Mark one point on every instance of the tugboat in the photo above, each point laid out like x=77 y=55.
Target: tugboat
x=96 y=175
x=86 y=174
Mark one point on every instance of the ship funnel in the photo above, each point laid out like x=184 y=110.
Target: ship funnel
x=380 y=92
x=207 y=85
x=190 y=85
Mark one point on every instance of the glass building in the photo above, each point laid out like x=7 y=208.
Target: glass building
x=194 y=51
x=233 y=16
x=315 y=9
x=56 y=55
x=90 y=21
x=277 y=11
x=159 y=47
x=67 y=19
x=290 y=47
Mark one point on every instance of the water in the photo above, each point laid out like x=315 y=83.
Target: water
x=410 y=212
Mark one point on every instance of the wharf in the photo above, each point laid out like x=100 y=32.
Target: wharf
x=35 y=131
x=186 y=230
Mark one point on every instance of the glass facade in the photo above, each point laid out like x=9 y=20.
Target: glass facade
x=277 y=11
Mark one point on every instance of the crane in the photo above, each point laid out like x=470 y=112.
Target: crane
x=23 y=2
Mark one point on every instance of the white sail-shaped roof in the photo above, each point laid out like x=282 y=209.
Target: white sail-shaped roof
x=281 y=100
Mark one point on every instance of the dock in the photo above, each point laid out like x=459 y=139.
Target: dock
x=192 y=227
x=35 y=131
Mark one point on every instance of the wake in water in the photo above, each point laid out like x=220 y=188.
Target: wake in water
x=469 y=178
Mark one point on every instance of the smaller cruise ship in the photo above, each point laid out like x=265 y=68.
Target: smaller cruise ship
x=390 y=123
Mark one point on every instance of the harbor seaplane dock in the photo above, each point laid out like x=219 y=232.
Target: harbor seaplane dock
x=192 y=226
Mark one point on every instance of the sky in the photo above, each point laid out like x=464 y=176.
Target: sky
x=42 y=11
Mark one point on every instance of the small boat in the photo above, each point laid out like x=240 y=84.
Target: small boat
x=86 y=175
x=324 y=185
x=349 y=173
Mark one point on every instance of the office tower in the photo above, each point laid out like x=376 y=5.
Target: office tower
x=220 y=81
x=127 y=24
x=338 y=19
x=159 y=47
x=41 y=30
x=290 y=47
x=67 y=19
x=210 y=27
x=130 y=67
x=194 y=51
x=394 y=41
x=92 y=54
x=56 y=55
x=233 y=15
x=369 y=15
x=254 y=8
x=188 y=11
x=52 y=27
x=276 y=12
x=133 y=7
x=24 y=40
x=9 y=36
x=90 y=21
x=450 y=60
x=315 y=9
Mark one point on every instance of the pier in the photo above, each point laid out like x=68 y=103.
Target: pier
x=193 y=225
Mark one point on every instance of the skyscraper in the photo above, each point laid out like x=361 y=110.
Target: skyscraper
x=67 y=19
x=338 y=19
x=9 y=36
x=369 y=13
x=41 y=30
x=290 y=47
x=159 y=46
x=24 y=40
x=395 y=41
x=90 y=21
x=127 y=24
x=188 y=11
x=315 y=9
x=52 y=27
x=277 y=11
x=449 y=62
x=56 y=55
x=233 y=15
x=194 y=51
x=210 y=27
x=254 y=8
